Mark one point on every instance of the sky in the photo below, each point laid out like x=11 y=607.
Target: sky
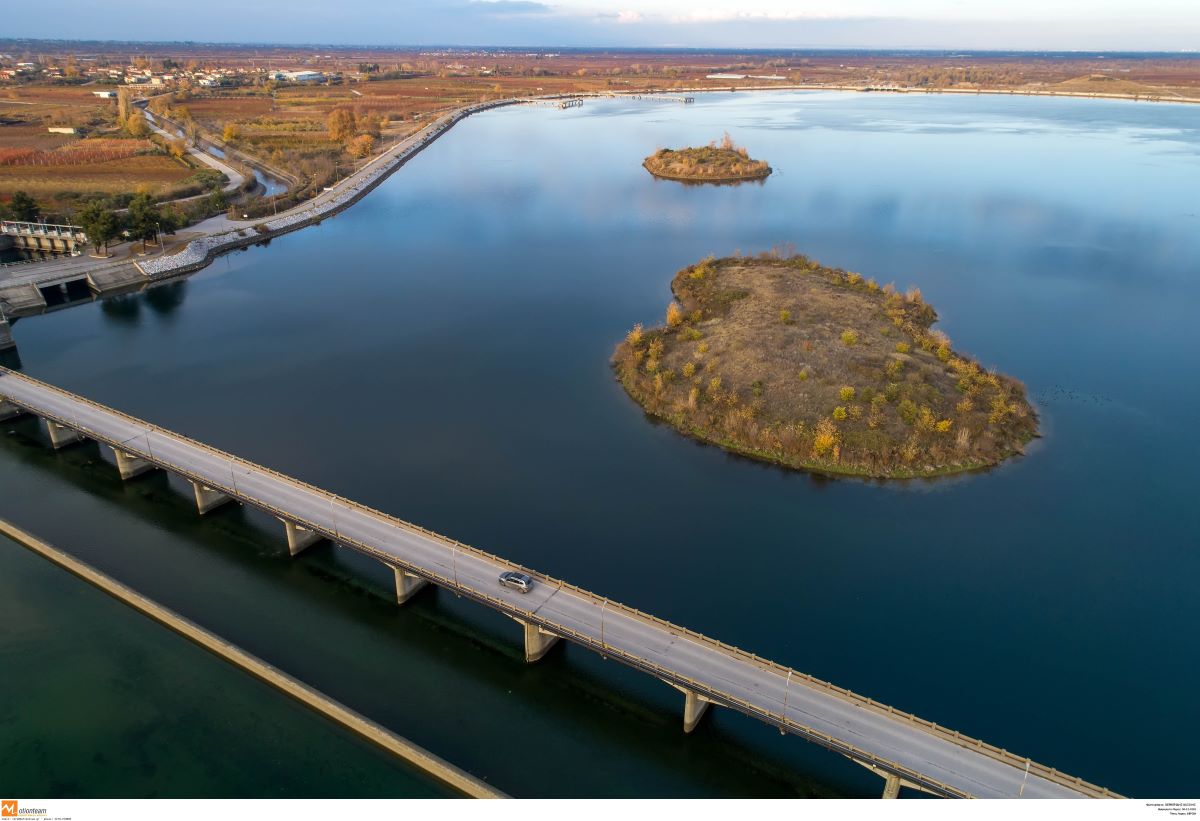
x=1135 y=25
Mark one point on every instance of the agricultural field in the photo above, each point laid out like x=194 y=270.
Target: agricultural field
x=61 y=170
x=59 y=106
x=62 y=176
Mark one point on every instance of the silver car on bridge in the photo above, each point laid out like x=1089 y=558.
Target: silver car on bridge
x=521 y=582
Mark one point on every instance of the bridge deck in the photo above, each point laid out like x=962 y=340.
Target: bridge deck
x=922 y=754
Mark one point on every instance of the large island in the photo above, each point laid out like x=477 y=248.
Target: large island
x=785 y=360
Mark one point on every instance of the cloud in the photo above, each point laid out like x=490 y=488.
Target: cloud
x=784 y=24
x=508 y=8
x=726 y=15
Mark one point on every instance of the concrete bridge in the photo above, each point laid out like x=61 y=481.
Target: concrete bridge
x=39 y=236
x=673 y=98
x=902 y=749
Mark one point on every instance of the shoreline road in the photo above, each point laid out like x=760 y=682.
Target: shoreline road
x=220 y=233
x=236 y=178
x=903 y=749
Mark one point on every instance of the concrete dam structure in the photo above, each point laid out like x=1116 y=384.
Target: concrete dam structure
x=38 y=236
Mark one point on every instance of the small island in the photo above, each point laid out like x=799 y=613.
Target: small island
x=782 y=359
x=724 y=163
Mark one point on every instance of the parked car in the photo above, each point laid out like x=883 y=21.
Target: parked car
x=521 y=582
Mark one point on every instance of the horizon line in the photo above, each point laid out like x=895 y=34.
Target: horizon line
x=614 y=48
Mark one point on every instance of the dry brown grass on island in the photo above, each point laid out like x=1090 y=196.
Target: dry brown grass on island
x=712 y=163
x=785 y=360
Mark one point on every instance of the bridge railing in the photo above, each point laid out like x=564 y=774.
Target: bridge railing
x=642 y=663
x=953 y=736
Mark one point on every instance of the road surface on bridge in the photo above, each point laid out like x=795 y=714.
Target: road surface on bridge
x=890 y=741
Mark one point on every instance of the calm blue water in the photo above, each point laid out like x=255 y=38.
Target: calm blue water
x=99 y=701
x=440 y=351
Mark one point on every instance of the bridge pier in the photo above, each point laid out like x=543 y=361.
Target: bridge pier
x=61 y=436
x=407 y=584
x=298 y=536
x=891 y=782
x=207 y=499
x=129 y=465
x=6 y=340
x=694 y=707
x=537 y=641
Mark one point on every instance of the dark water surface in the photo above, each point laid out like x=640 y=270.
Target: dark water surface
x=440 y=352
x=99 y=701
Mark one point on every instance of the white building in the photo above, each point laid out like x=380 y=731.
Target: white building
x=302 y=76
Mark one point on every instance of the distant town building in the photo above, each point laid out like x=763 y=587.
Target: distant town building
x=301 y=76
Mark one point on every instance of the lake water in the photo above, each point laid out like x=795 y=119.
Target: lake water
x=439 y=351
x=99 y=701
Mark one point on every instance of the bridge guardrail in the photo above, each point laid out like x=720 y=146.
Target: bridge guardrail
x=953 y=736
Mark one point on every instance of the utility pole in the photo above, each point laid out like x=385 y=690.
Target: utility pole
x=786 y=685
x=603 y=607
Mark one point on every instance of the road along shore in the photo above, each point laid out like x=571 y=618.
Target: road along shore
x=454 y=777
x=200 y=252
x=20 y=295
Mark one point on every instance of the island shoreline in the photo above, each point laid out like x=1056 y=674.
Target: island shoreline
x=699 y=300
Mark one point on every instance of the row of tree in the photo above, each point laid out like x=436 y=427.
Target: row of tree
x=345 y=127
x=141 y=220
x=23 y=208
